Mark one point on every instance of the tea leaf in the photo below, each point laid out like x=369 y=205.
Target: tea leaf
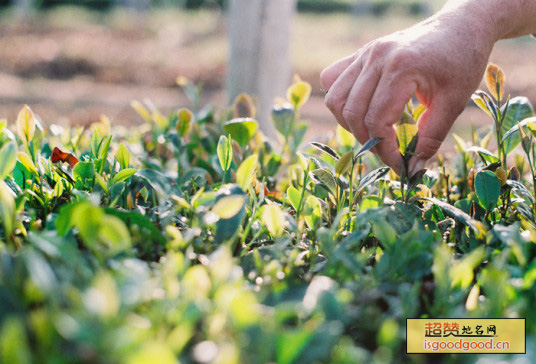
x=7 y=208
x=246 y=172
x=184 y=121
x=312 y=210
x=406 y=134
x=484 y=102
x=298 y=94
x=344 y=137
x=494 y=78
x=294 y=196
x=283 y=117
x=228 y=206
x=84 y=172
x=326 y=149
x=485 y=154
x=8 y=159
x=273 y=219
x=244 y=107
x=225 y=152
x=488 y=188
x=371 y=143
x=26 y=123
x=372 y=177
x=141 y=110
x=513 y=132
x=241 y=129
x=124 y=175
x=14 y=346
x=519 y=109
x=122 y=156
x=325 y=179
x=459 y=216
x=27 y=162
x=344 y=163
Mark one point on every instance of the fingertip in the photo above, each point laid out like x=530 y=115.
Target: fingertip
x=415 y=164
x=329 y=75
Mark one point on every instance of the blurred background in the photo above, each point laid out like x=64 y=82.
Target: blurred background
x=73 y=60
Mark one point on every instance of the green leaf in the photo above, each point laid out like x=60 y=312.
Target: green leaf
x=115 y=234
x=225 y=152
x=27 y=162
x=459 y=216
x=7 y=208
x=519 y=109
x=488 y=188
x=406 y=134
x=312 y=210
x=123 y=175
x=344 y=163
x=241 y=129
x=246 y=172
x=150 y=235
x=484 y=154
x=294 y=196
x=290 y=343
x=527 y=124
x=344 y=137
x=273 y=219
x=371 y=143
x=299 y=93
x=26 y=124
x=325 y=179
x=96 y=142
x=283 y=117
x=14 y=346
x=326 y=149
x=122 y=156
x=372 y=177
x=184 y=120
x=84 y=173
x=229 y=206
x=484 y=102
x=8 y=159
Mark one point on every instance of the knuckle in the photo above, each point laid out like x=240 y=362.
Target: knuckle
x=370 y=120
x=334 y=103
x=402 y=60
x=428 y=147
x=349 y=113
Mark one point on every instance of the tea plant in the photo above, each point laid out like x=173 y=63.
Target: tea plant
x=191 y=238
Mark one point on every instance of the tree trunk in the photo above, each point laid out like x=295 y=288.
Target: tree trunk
x=259 y=62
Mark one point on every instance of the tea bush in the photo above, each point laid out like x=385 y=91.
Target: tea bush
x=191 y=238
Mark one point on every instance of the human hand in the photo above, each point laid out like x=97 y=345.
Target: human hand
x=441 y=61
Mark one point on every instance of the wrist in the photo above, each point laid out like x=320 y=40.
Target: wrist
x=499 y=19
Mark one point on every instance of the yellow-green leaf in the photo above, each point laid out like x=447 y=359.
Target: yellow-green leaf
x=141 y=110
x=406 y=130
x=184 y=120
x=228 y=206
x=273 y=219
x=246 y=172
x=27 y=162
x=26 y=123
x=299 y=93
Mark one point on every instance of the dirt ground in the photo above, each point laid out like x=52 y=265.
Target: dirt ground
x=71 y=66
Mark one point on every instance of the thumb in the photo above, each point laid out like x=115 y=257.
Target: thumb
x=434 y=126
